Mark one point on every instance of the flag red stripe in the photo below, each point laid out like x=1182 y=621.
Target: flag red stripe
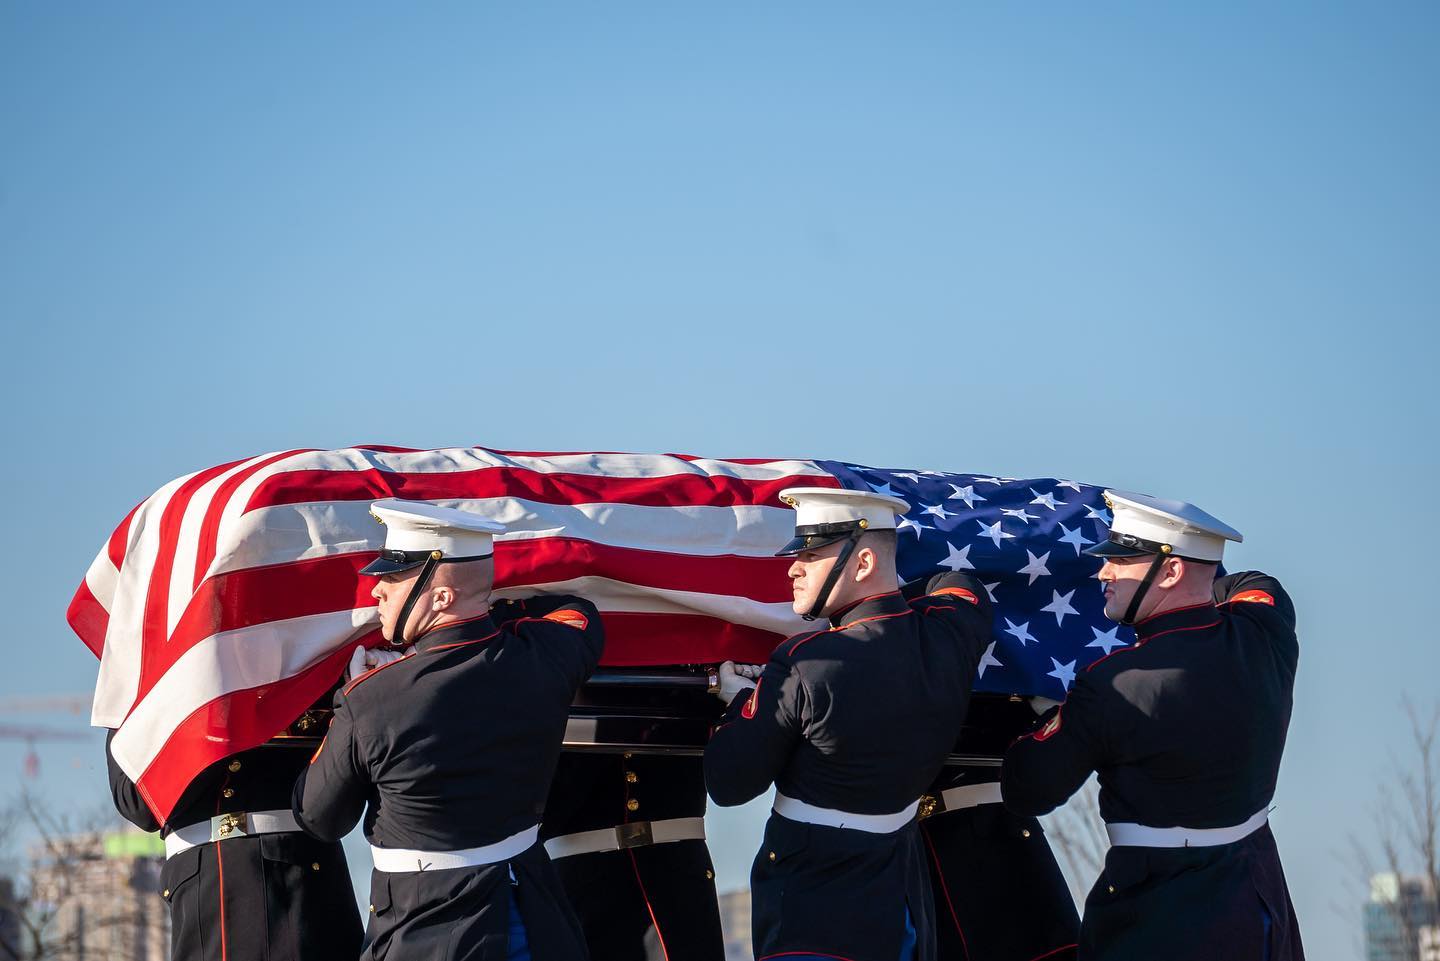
x=210 y=527
x=88 y=619
x=676 y=490
x=227 y=725
x=244 y=719
x=652 y=639
x=155 y=620
x=319 y=585
x=118 y=540
x=823 y=479
x=260 y=595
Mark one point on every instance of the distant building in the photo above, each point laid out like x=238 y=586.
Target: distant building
x=735 y=922
x=102 y=894
x=1402 y=920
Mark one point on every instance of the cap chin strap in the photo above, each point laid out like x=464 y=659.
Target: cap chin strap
x=431 y=562
x=1142 y=590
x=833 y=578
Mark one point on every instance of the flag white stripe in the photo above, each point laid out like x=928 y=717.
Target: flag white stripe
x=100 y=578
x=293 y=532
x=596 y=465
x=119 y=678
x=262 y=654
x=187 y=547
x=225 y=663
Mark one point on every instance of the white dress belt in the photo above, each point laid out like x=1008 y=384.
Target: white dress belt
x=223 y=827
x=795 y=810
x=406 y=860
x=1125 y=834
x=622 y=836
x=969 y=796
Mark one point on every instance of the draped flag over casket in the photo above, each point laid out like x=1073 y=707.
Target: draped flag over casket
x=229 y=600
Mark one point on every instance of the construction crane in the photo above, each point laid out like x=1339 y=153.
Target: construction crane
x=77 y=704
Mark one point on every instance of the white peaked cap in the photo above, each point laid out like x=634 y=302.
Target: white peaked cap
x=819 y=509
x=832 y=505
x=422 y=526
x=1150 y=525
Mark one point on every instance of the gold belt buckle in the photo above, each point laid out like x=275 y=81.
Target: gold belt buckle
x=233 y=825
x=929 y=804
x=634 y=834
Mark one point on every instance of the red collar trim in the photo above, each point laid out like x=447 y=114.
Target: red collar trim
x=426 y=640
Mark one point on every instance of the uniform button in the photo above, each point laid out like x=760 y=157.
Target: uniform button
x=627 y=755
x=228 y=792
x=372 y=909
x=709 y=875
x=632 y=805
x=234 y=766
x=315 y=865
x=631 y=777
x=1110 y=888
x=165 y=893
x=772 y=855
x=1025 y=832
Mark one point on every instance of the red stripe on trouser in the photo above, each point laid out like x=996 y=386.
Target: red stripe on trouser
x=672 y=490
x=230 y=724
x=945 y=890
x=88 y=619
x=654 y=921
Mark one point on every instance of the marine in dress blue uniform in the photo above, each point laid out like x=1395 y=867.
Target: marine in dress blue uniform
x=851 y=723
x=627 y=835
x=241 y=879
x=999 y=893
x=1186 y=729
x=448 y=750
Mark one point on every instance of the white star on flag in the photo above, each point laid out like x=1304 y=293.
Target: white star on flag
x=1036 y=566
x=1046 y=500
x=990 y=589
x=1099 y=514
x=994 y=532
x=958 y=560
x=938 y=510
x=1070 y=484
x=988 y=659
x=966 y=494
x=884 y=488
x=911 y=523
x=914 y=478
x=1074 y=538
x=1060 y=606
x=1064 y=673
x=997 y=481
x=1019 y=513
x=1106 y=640
x=1020 y=631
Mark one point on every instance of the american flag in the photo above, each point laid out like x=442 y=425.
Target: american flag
x=229 y=600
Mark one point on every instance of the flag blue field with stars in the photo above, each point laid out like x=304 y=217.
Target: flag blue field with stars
x=1023 y=539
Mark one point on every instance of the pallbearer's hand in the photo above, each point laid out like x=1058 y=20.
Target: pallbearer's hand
x=735 y=678
x=364 y=659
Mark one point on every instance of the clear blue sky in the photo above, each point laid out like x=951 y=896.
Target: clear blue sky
x=1190 y=251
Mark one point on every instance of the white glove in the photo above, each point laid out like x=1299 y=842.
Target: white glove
x=365 y=658
x=1042 y=704
x=734 y=678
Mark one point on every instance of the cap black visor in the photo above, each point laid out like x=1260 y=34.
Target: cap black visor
x=393 y=562
x=810 y=542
